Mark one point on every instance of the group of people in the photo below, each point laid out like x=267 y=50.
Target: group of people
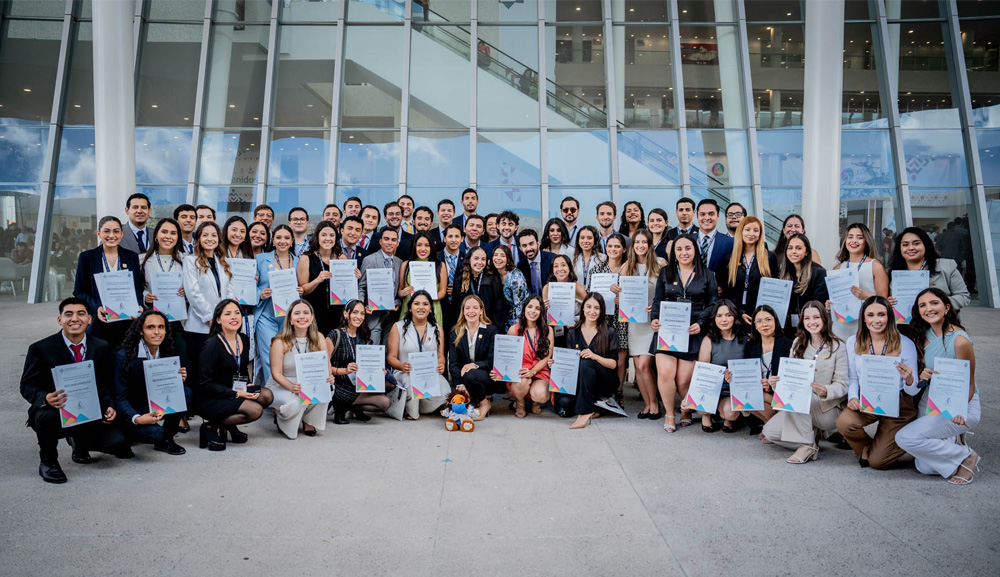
x=492 y=277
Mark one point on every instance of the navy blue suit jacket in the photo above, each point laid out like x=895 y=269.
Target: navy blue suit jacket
x=546 y=260
x=91 y=263
x=722 y=249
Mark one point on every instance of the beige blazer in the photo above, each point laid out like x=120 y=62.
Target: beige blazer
x=831 y=370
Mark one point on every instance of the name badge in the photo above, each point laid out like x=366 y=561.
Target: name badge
x=241 y=384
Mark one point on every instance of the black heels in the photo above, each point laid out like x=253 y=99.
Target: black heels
x=208 y=438
x=340 y=418
x=235 y=435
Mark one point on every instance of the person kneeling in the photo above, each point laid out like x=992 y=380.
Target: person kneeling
x=299 y=335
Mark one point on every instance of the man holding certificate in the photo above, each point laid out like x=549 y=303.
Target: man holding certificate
x=378 y=290
x=58 y=403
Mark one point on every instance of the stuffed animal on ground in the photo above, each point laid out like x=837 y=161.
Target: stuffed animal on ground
x=458 y=414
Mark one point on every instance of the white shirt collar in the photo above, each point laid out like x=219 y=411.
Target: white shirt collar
x=69 y=344
x=143 y=352
x=384 y=256
x=135 y=230
x=702 y=234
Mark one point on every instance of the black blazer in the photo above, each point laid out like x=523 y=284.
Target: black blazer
x=674 y=232
x=782 y=348
x=50 y=352
x=402 y=249
x=732 y=289
x=546 y=259
x=130 y=387
x=218 y=368
x=91 y=263
x=660 y=249
x=458 y=355
x=490 y=291
x=702 y=293
x=815 y=291
x=438 y=241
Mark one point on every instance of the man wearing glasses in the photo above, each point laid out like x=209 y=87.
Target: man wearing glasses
x=298 y=221
x=734 y=214
x=570 y=209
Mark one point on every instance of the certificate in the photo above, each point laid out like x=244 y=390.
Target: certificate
x=83 y=404
x=949 y=393
x=381 y=289
x=164 y=385
x=425 y=382
x=745 y=390
x=284 y=285
x=371 y=368
x=675 y=319
x=343 y=283
x=880 y=385
x=244 y=281
x=634 y=299
x=793 y=393
x=562 y=304
x=423 y=277
x=117 y=293
x=775 y=293
x=508 y=352
x=906 y=284
x=706 y=388
x=601 y=283
x=165 y=285
x=846 y=307
x=564 y=371
x=311 y=372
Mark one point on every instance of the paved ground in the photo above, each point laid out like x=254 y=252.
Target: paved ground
x=524 y=497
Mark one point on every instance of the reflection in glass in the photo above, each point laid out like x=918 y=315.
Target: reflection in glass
x=374 y=195
x=19 y=212
x=177 y=10
x=29 y=54
x=945 y=215
x=651 y=198
x=701 y=11
x=710 y=61
x=589 y=199
x=298 y=157
x=376 y=10
x=39 y=8
x=573 y=10
x=935 y=158
x=993 y=216
x=514 y=11
x=243 y=10
x=162 y=155
x=767 y=10
x=639 y=11
x=284 y=198
x=579 y=158
x=71 y=231
x=717 y=158
x=304 y=81
x=164 y=199
x=79 y=104
x=575 y=89
x=368 y=157
x=644 y=93
x=451 y=11
x=236 y=71
x=168 y=75
x=507 y=76
x=648 y=158
x=508 y=158
x=778 y=204
x=724 y=196
x=980 y=40
x=861 y=102
x=22 y=153
x=373 y=75
x=438 y=52
x=76 y=163
x=777 y=94
x=309 y=11
x=919 y=61
x=438 y=158
x=780 y=153
x=229 y=201
x=229 y=157
x=989 y=156
x=525 y=200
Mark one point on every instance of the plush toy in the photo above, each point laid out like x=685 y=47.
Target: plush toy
x=458 y=414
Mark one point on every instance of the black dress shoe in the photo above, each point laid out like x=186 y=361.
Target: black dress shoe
x=340 y=419
x=361 y=416
x=125 y=454
x=169 y=447
x=654 y=416
x=80 y=457
x=235 y=435
x=51 y=472
x=208 y=438
x=309 y=432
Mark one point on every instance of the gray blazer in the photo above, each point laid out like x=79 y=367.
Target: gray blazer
x=375 y=260
x=129 y=241
x=947 y=278
x=832 y=371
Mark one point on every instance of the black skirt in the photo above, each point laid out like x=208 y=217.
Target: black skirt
x=694 y=344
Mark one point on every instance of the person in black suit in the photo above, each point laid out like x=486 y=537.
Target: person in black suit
x=768 y=344
x=470 y=346
x=470 y=202
x=809 y=278
x=106 y=258
x=149 y=337
x=685 y=219
x=536 y=264
x=69 y=345
x=393 y=220
x=446 y=213
x=453 y=260
x=714 y=246
x=351 y=230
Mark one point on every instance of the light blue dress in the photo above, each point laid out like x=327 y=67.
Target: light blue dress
x=266 y=325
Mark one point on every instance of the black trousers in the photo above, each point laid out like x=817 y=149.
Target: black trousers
x=194 y=343
x=152 y=434
x=93 y=436
x=478 y=383
x=595 y=382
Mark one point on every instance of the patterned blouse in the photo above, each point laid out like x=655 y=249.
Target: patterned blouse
x=515 y=291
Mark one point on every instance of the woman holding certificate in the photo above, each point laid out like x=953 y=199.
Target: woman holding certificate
x=858 y=253
x=225 y=396
x=882 y=384
x=470 y=355
x=538 y=342
x=770 y=345
x=515 y=287
x=474 y=279
x=615 y=251
x=562 y=272
x=725 y=340
x=749 y=262
x=931 y=439
x=642 y=261
x=814 y=340
x=314 y=275
x=808 y=277
x=206 y=283
x=422 y=252
x=163 y=261
x=234 y=238
x=267 y=325
x=343 y=345
x=598 y=346
x=292 y=407
x=914 y=251
x=150 y=338
x=418 y=333
x=587 y=255
x=108 y=258
x=684 y=280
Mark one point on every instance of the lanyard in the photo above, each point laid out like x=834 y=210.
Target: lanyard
x=871 y=347
x=353 y=342
x=863 y=259
x=767 y=366
x=145 y=347
x=821 y=345
x=479 y=284
x=160 y=262
x=300 y=351
x=746 y=277
x=107 y=267
x=277 y=261
x=684 y=286
x=230 y=254
x=236 y=355
x=420 y=339
x=923 y=265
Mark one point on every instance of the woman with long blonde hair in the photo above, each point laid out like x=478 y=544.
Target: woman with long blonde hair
x=749 y=262
x=643 y=261
x=471 y=354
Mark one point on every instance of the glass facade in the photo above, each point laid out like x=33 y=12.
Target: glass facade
x=305 y=102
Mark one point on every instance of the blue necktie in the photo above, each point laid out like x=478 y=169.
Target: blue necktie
x=142 y=243
x=536 y=279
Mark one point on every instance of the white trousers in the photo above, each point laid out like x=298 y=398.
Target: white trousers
x=417 y=407
x=931 y=440
x=291 y=413
x=793 y=429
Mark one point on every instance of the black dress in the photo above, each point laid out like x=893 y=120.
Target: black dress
x=735 y=289
x=345 y=392
x=214 y=397
x=327 y=315
x=782 y=348
x=701 y=292
x=489 y=288
x=595 y=381
x=816 y=291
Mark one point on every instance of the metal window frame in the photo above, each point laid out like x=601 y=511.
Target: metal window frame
x=404 y=95
x=677 y=81
x=610 y=105
x=268 y=113
x=751 y=123
x=197 y=129
x=543 y=115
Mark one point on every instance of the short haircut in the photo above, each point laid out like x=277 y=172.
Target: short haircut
x=137 y=196
x=455 y=227
x=389 y=205
x=72 y=301
x=426 y=209
x=527 y=232
x=356 y=219
x=354 y=199
x=509 y=215
x=372 y=207
x=570 y=199
x=184 y=208
x=732 y=204
x=710 y=202
x=684 y=200
x=298 y=209
x=614 y=209
x=445 y=201
x=476 y=217
x=472 y=190
x=205 y=207
x=262 y=207
x=407 y=197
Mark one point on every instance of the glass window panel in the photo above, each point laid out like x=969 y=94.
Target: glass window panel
x=777 y=55
x=22 y=153
x=368 y=157
x=644 y=93
x=79 y=106
x=525 y=200
x=177 y=10
x=989 y=156
x=865 y=160
x=71 y=231
x=573 y=11
x=38 y=8
x=589 y=199
x=284 y=198
x=639 y=10
x=162 y=155
x=309 y=11
x=429 y=196
x=29 y=55
x=373 y=75
x=857 y=10
x=935 y=158
x=651 y=198
x=861 y=103
x=702 y=11
x=717 y=158
x=236 y=70
x=438 y=158
x=712 y=84
x=304 y=81
x=508 y=158
x=86 y=8
x=450 y=11
x=919 y=60
x=722 y=195
x=778 y=204
x=373 y=195
x=164 y=199
x=19 y=214
x=168 y=75
x=780 y=153
x=945 y=215
x=76 y=163
x=575 y=90
x=968 y=8
x=229 y=157
x=229 y=201
x=908 y=10
x=777 y=10
x=993 y=215
x=243 y=10
x=648 y=157
x=875 y=207
x=376 y=10
x=438 y=52
x=507 y=76
x=980 y=41
x=299 y=157
x=507 y=11
x=579 y=158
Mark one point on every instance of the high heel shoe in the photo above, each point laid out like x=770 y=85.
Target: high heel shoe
x=582 y=421
x=519 y=409
x=235 y=434
x=811 y=455
x=309 y=432
x=670 y=427
x=956 y=480
x=208 y=438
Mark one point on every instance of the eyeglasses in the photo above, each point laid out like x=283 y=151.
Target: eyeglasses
x=569 y=209
x=298 y=220
x=735 y=214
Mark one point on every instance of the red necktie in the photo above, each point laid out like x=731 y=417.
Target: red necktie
x=77 y=352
